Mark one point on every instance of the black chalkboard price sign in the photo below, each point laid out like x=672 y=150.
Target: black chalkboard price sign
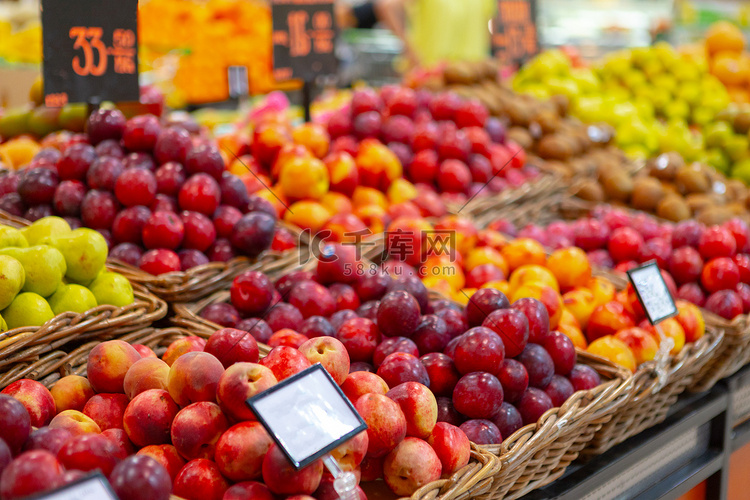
x=90 y=51
x=514 y=34
x=304 y=39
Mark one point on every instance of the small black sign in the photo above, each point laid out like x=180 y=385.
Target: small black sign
x=304 y=39
x=652 y=292
x=514 y=34
x=90 y=51
x=307 y=415
x=238 y=82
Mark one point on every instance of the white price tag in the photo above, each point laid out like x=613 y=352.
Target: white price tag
x=652 y=292
x=93 y=487
x=307 y=415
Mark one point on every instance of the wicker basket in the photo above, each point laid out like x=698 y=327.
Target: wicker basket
x=471 y=481
x=656 y=388
x=27 y=344
x=537 y=454
x=200 y=281
x=534 y=455
x=51 y=366
x=544 y=186
x=733 y=352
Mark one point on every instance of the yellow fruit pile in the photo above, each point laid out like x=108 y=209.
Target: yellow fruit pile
x=653 y=96
x=20 y=34
x=209 y=36
x=47 y=269
x=724 y=48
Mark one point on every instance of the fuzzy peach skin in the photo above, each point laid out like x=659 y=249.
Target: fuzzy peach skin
x=240 y=451
x=194 y=378
x=411 y=465
x=329 y=352
x=281 y=477
x=107 y=410
x=108 y=363
x=350 y=454
x=196 y=430
x=240 y=382
x=75 y=422
x=148 y=418
x=419 y=407
x=358 y=384
x=451 y=446
x=182 y=346
x=71 y=393
x=167 y=455
x=145 y=374
x=36 y=398
x=386 y=424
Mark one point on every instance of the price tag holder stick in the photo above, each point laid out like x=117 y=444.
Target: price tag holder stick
x=307 y=97
x=308 y=415
x=658 y=303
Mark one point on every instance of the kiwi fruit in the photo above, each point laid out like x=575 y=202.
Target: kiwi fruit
x=714 y=215
x=521 y=136
x=617 y=185
x=554 y=147
x=699 y=201
x=518 y=112
x=647 y=193
x=661 y=168
x=736 y=190
x=590 y=190
x=674 y=208
x=548 y=120
x=691 y=180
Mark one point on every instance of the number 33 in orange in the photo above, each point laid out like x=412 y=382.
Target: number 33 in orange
x=82 y=36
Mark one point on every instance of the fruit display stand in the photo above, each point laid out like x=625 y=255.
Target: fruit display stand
x=534 y=455
x=656 y=386
x=733 y=351
x=537 y=454
x=199 y=281
x=22 y=350
x=472 y=480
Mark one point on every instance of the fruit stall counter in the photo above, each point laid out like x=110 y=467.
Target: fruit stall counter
x=696 y=453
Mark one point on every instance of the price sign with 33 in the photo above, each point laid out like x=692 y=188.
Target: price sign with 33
x=90 y=50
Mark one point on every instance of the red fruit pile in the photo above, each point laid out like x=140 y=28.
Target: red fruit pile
x=158 y=194
x=445 y=143
x=708 y=266
x=493 y=367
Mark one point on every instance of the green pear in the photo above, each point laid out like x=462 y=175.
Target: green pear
x=75 y=298
x=3 y=324
x=12 y=237
x=12 y=279
x=85 y=252
x=44 y=228
x=113 y=289
x=27 y=309
x=44 y=267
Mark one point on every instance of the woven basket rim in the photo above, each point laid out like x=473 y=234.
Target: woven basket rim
x=30 y=341
x=202 y=280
